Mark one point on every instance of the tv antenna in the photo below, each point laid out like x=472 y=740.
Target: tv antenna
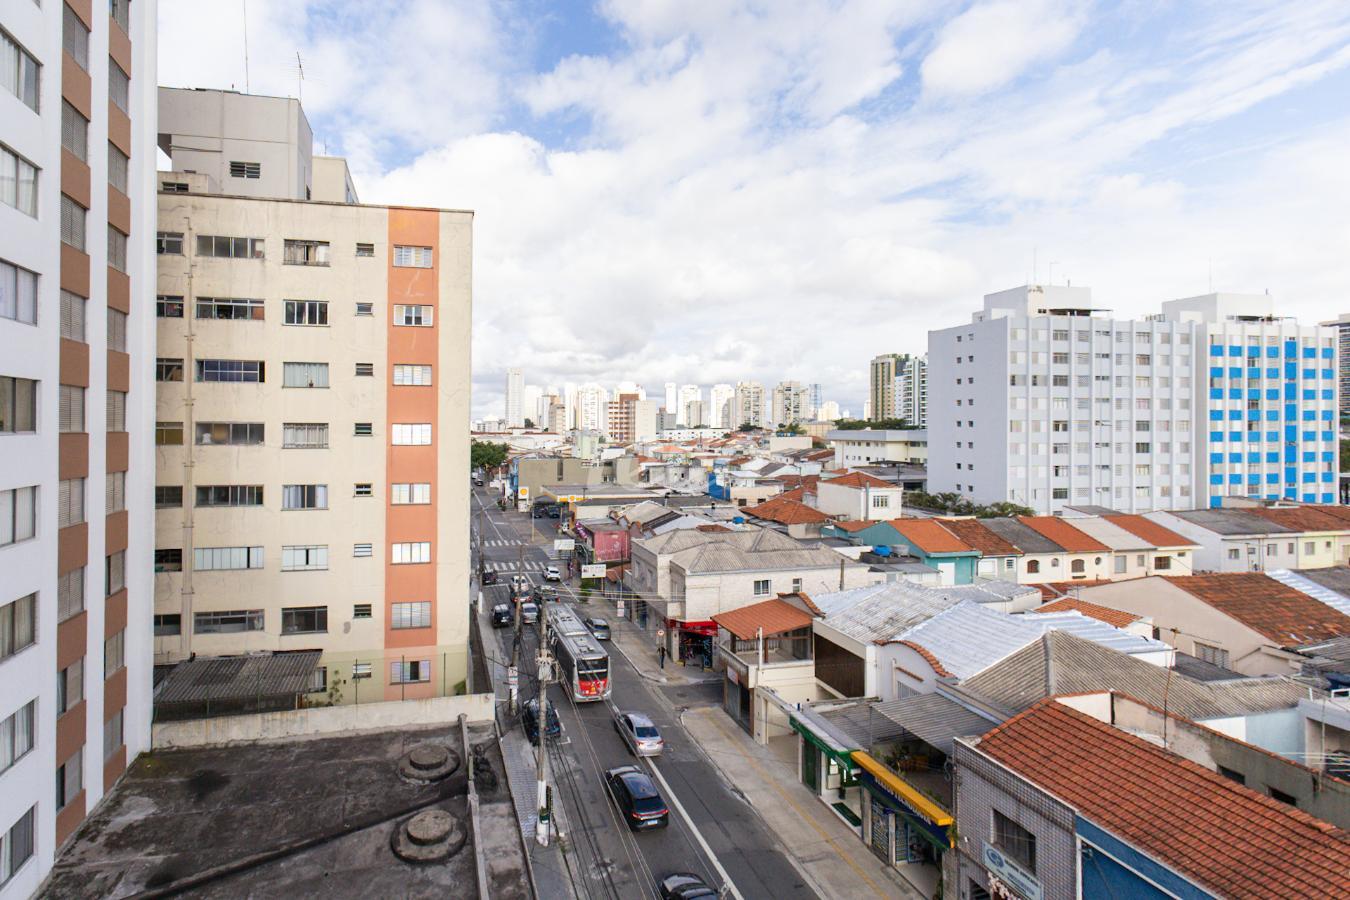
x=299 y=78
x=244 y=5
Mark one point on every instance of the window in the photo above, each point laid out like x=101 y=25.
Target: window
x=70 y=418
x=1033 y=566
x=223 y=559
x=18 y=625
x=18 y=405
x=229 y=495
x=230 y=370
x=1309 y=547
x=413 y=315
x=305 y=375
x=19 y=73
x=313 y=558
x=70 y=687
x=796 y=585
x=115 y=572
x=168 y=496
x=72 y=221
x=70 y=594
x=1162 y=563
x=115 y=492
x=365 y=249
x=401 y=494
x=117 y=249
x=16 y=845
x=245 y=170
x=230 y=247
x=361 y=611
x=363 y=429
x=304 y=620
x=18 y=295
x=168 y=434
x=1232 y=774
x=410 y=615
x=168 y=369
x=168 y=624
x=412 y=435
x=75 y=38
x=169 y=242
x=304 y=496
x=363 y=489
x=1210 y=654
x=1232 y=553
x=1015 y=841
x=365 y=369
x=70 y=779
x=70 y=505
x=117 y=330
x=1122 y=564
x=112 y=735
x=16 y=735
x=119 y=87
x=74 y=128
x=167 y=307
x=174 y=187
x=318 y=679
x=1077 y=566
x=114 y=654
x=365 y=309
x=414 y=552
x=360 y=670
x=410 y=671
x=362 y=551
x=306 y=312
x=762 y=587
x=1281 y=796
x=412 y=257
x=117 y=169
x=237 y=433
x=306 y=253
x=18 y=185
x=116 y=405
x=228 y=622
x=301 y=436
x=230 y=308
x=412 y=375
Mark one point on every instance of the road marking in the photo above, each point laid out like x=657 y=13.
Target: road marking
x=698 y=835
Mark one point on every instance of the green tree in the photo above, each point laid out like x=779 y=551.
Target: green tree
x=794 y=428
x=529 y=423
x=881 y=424
x=486 y=455
x=748 y=427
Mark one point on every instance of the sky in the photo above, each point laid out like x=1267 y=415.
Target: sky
x=721 y=190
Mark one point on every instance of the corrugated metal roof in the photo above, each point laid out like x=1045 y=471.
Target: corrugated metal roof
x=968 y=637
x=862 y=724
x=239 y=677
x=879 y=612
x=1230 y=521
x=1094 y=630
x=934 y=719
x=1314 y=587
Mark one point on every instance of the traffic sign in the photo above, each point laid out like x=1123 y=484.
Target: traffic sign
x=564 y=545
x=660 y=634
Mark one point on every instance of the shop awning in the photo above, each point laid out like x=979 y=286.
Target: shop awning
x=770 y=617
x=934 y=719
x=911 y=799
x=824 y=738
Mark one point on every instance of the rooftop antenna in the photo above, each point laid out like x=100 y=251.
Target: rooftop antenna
x=300 y=78
x=244 y=5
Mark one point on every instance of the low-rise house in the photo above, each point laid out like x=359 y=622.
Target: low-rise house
x=859 y=496
x=999 y=557
x=766 y=645
x=1256 y=539
x=1139 y=546
x=874 y=445
x=601 y=541
x=794 y=516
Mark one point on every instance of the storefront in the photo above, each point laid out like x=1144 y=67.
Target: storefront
x=900 y=825
x=694 y=645
x=826 y=767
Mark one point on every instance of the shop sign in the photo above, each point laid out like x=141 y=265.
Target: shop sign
x=620 y=610
x=564 y=545
x=523 y=493
x=1016 y=882
x=593 y=571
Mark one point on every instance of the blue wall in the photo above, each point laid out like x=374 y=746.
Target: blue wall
x=1113 y=869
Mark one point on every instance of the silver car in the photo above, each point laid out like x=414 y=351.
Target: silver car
x=639 y=733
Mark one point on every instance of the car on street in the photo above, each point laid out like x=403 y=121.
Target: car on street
x=543 y=593
x=529 y=719
x=637 y=798
x=551 y=573
x=519 y=584
x=478 y=482
x=598 y=627
x=639 y=733
x=529 y=612
x=685 y=886
x=502 y=616
x=487 y=577
x=553 y=512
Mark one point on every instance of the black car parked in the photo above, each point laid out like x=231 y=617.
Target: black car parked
x=529 y=717
x=502 y=616
x=487 y=577
x=637 y=798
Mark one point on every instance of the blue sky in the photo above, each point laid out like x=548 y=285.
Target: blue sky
x=716 y=191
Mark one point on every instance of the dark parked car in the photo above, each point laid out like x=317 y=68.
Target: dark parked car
x=599 y=628
x=488 y=577
x=502 y=616
x=684 y=886
x=529 y=612
x=553 y=512
x=529 y=717
x=637 y=798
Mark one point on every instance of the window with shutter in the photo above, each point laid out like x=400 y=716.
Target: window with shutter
x=119 y=86
x=74 y=132
x=72 y=316
x=117 y=411
x=117 y=330
x=72 y=223
x=117 y=169
x=71 y=418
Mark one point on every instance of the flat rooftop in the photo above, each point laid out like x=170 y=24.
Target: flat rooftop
x=293 y=818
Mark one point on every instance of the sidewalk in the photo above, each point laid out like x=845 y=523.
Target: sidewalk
x=827 y=852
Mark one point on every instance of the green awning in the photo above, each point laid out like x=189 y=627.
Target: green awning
x=825 y=744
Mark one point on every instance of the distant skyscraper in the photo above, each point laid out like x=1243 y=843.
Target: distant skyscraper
x=529 y=402
x=718 y=414
x=881 y=393
x=591 y=407
x=671 y=397
x=1342 y=326
x=687 y=394
x=911 y=389
x=515 y=391
x=815 y=396
x=789 y=403
x=749 y=407
x=828 y=412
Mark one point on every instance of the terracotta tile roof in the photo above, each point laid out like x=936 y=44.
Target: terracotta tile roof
x=799 y=481
x=774 y=616
x=860 y=480
x=805 y=598
x=973 y=532
x=1101 y=613
x=854 y=525
x=1054 y=590
x=798 y=494
x=928 y=657
x=929 y=536
x=1150 y=531
x=712 y=528
x=1340 y=512
x=787 y=512
x=1223 y=835
x=1303 y=518
x=1064 y=534
x=1284 y=615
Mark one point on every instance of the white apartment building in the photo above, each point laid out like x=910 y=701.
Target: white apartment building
x=749 y=406
x=311 y=428
x=911 y=390
x=688 y=393
x=868 y=446
x=670 y=397
x=789 y=403
x=1044 y=401
x=77 y=166
x=515 y=398
x=815 y=399
x=591 y=408
x=720 y=398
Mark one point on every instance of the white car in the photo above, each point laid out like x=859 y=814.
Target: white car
x=519 y=584
x=552 y=574
x=639 y=733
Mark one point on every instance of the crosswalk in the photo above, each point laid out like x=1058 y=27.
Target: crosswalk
x=500 y=542
x=514 y=566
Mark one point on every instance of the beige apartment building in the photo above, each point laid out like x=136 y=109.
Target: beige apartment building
x=313 y=409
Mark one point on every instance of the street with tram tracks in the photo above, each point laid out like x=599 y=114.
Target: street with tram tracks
x=713 y=831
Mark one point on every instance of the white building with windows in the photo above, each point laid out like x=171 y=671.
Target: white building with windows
x=515 y=398
x=719 y=413
x=688 y=393
x=1045 y=401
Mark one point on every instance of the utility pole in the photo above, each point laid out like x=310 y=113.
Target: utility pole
x=544 y=829
x=513 y=673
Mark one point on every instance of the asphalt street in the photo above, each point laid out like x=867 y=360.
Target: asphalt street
x=727 y=839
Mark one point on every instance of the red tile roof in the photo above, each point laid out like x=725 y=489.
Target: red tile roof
x=1101 y=613
x=1302 y=518
x=1064 y=534
x=1339 y=512
x=1054 y=590
x=787 y=512
x=798 y=494
x=860 y=480
x=854 y=525
x=1284 y=615
x=774 y=616
x=929 y=536
x=1150 y=531
x=1223 y=835
x=973 y=532
x=712 y=528
x=927 y=656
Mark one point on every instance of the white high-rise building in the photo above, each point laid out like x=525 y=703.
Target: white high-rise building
x=515 y=398
x=569 y=398
x=749 y=406
x=720 y=397
x=911 y=390
x=591 y=408
x=789 y=403
x=671 y=400
x=828 y=411
x=631 y=387
x=530 y=396
x=688 y=393
x=1044 y=401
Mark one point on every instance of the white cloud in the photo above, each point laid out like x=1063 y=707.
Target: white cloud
x=991 y=44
